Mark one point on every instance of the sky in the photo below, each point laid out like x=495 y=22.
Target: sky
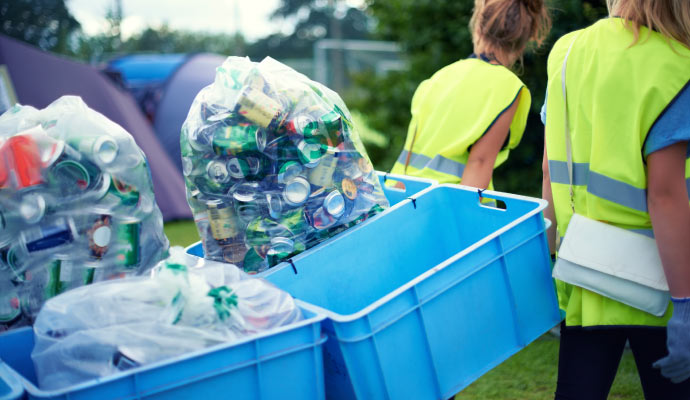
x=250 y=17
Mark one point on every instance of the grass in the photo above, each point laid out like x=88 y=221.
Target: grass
x=531 y=375
x=528 y=375
x=181 y=233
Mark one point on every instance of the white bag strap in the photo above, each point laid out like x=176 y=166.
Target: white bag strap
x=568 y=138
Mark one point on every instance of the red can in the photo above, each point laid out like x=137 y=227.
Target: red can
x=25 y=160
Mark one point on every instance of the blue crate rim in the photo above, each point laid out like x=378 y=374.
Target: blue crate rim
x=317 y=318
x=398 y=177
x=8 y=376
x=541 y=204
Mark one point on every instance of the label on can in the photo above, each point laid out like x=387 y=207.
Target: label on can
x=221 y=221
x=257 y=107
x=26 y=158
x=99 y=236
x=49 y=235
x=127 y=236
x=322 y=174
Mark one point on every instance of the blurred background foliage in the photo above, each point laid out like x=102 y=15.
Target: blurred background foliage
x=430 y=33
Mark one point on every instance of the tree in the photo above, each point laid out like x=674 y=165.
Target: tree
x=46 y=24
x=435 y=33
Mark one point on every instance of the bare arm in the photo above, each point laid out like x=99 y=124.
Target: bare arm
x=547 y=195
x=667 y=199
x=480 y=163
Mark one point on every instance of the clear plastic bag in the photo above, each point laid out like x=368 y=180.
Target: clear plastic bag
x=76 y=205
x=187 y=304
x=273 y=165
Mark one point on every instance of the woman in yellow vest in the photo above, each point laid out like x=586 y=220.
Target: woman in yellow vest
x=627 y=88
x=469 y=114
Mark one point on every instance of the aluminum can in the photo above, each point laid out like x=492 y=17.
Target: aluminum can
x=245 y=167
x=274 y=205
x=49 y=235
x=296 y=191
x=10 y=310
x=32 y=207
x=10 y=262
x=334 y=204
x=99 y=235
x=127 y=234
x=222 y=221
x=310 y=153
x=217 y=171
x=322 y=173
x=103 y=150
x=124 y=193
x=259 y=108
x=288 y=171
x=237 y=139
x=246 y=198
x=25 y=162
x=235 y=252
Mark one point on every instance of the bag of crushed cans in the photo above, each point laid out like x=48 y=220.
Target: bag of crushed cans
x=273 y=165
x=76 y=206
x=186 y=305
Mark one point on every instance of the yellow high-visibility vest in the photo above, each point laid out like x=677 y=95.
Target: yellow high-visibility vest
x=615 y=92
x=452 y=110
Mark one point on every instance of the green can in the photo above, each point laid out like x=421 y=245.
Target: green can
x=127 y=232
x=52 y=287
x=240 y=138
x=126 y=194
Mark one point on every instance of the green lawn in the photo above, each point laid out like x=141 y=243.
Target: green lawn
x=531 y=375
x=528 y=375
x=181 y=233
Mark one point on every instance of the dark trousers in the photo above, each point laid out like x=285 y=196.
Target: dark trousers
x=588 y=361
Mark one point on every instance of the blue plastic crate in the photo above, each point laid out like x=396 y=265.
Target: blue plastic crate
x=411 y=185
x=10 y=386
x=282 y=363
x=426 y=297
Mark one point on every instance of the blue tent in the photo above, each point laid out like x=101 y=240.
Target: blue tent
x=165 y=86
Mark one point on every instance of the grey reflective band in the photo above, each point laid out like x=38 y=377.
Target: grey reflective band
x=418 y=161
x=558 y=170
x=438 y=163
x=602 y=186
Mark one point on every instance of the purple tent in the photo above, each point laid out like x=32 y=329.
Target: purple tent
x=39 y=78
x=179 y=91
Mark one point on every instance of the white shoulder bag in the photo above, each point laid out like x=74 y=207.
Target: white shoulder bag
x=611 y=261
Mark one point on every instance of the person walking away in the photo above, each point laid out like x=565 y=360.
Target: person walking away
x=470 y=114
x=628 y=96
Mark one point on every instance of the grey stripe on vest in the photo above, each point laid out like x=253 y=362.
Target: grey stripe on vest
x=599 y=185
x=417 y=160
x=558 y=170
x=438 y=163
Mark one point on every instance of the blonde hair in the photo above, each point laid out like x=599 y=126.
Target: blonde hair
x=508 y=25
x=669 y=17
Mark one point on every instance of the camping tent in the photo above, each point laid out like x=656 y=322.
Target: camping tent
x=39 y=78
x=178 y=94
x=144 y=75
x=165 y=86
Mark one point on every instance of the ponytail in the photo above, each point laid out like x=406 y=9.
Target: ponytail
x=508 y=25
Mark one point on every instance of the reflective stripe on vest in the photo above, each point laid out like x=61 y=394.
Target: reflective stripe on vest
x=438 y=163
x=602 y=186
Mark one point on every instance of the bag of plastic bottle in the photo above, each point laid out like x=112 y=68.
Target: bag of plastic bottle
x=273 y=165
x=76 y=205
x=186 y=305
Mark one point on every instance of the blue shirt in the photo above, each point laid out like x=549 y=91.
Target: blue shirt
x=671 y=127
